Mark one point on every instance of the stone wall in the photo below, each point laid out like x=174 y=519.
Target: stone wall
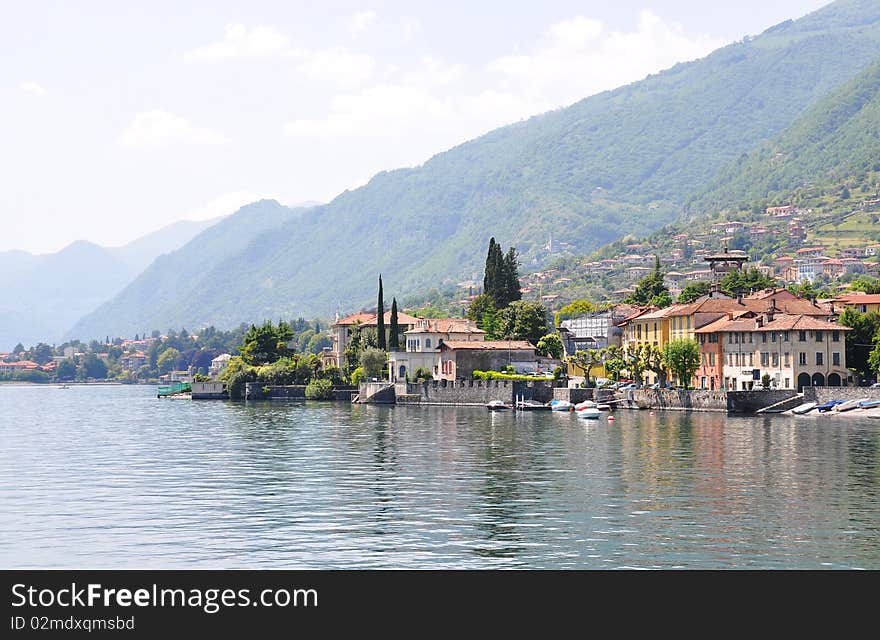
x=673 y=399
x=751 y=401
x=259 y=391
x=472 y=392
x=578 y=395
x=824 y=394
x=209 y=391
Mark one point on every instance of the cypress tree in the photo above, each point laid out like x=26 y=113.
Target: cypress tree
x=394 y=338
x=489 y=273
x=380 y=319
x=512 y=289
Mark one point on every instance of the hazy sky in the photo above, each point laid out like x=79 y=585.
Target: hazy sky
x=117 y=118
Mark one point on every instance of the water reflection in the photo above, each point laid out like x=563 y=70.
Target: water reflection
x=111 y=477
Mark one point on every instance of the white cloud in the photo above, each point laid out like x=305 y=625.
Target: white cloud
x=239 y=43
x=581 y=58
x=361 y=21
x=160 y=128
x=33 y=88
x=224 y=205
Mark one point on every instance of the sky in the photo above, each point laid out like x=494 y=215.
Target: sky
x=119 y=118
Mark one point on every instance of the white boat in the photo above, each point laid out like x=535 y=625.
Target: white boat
x=603 y=407
x=498 y=405
x=801 y=409
x=849 y=405
x=561 y=405
x=590 y=413
x=583 y=405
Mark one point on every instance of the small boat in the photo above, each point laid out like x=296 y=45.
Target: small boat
x=498 y=405
x=64 y=386
x=590 y=413
x=583 y=405
x=869 y=404
x=531 y=405
x=561 y=405
x=828 y=406
x=849 y=405
x=603 y=407
x=801 y=409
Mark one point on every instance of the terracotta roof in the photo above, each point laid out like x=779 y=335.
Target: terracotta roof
x=489 y=345
x=446 y=325
x=369 y=319
x=801 y=322
x=859 y=298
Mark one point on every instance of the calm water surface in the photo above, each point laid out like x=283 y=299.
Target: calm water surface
x=111 y=477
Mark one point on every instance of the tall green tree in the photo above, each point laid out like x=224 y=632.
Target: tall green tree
x=651 y=290
x=489 y=272
x=266 y=344
x=380 y=318
x=394 y=338
x=511 y=286
x=859 y=341
x=745 y=281
x=523 y=320
x=692 y=291
x=682 y=357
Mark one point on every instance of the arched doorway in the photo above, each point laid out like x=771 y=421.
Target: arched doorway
x=402 y=375
x=833 y=380
x=818 y=380
x=803 y=381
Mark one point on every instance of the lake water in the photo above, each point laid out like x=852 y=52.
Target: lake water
x=112 y=477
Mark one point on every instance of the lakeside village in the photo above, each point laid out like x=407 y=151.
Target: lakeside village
x=742 y=335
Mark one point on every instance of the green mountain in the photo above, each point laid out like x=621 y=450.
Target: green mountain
x=621 y=162
x=44 y=294
x=837 y=139
x=171 y=291
x=139 y=253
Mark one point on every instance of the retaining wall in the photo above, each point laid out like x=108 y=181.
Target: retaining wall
x=209 y=391
x=472 y=392
x=751 y=401
x=824 y=394
x=673 y=399
x=260 y=391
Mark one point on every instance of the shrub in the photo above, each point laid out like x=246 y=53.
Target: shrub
x=319 y=390
x=357 y=376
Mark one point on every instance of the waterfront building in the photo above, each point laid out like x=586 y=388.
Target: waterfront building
x=460 y=359
x=341 y=329
x=218 y=364
x=796 y=351
x=422 y=345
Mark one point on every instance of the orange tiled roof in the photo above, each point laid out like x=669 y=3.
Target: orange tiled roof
x=446 y=325
x=369 y=319
x=489 y=345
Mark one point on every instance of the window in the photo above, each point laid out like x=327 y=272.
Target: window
x=655 y=331
x=802 y=359
x=773 y=337
x=427 y=343
x=713 y=337
x=711 y=359
x=764 y=337
x=787 y=381
x=835 y=336
x=787 y=359
x=819 y=335
x=785 y=336
x=765 y=359
x=775 y=358
x=639 y=332
x=835 y=359
x=802 y=336
x=735 y=337
x=729 y=338
x=819 y=358
x=751 y=359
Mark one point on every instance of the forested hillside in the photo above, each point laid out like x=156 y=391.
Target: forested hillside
x=624 y=161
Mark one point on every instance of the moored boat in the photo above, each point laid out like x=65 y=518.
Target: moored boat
x=828 y=406
x=561 y=405
x=531 y=405
x=583 y=405
x=869 y=404
x=801 y=409
x=603 y=407
x=849 y=405
x=498 y=405
x=590 y=413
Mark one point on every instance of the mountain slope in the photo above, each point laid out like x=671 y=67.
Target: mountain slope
x=139 y=253
x=620 y=162
x=837 y=138
x=48 y=292
x=171 y=293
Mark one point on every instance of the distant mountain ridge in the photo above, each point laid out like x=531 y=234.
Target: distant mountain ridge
x=43 y=295
x=621 y=162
